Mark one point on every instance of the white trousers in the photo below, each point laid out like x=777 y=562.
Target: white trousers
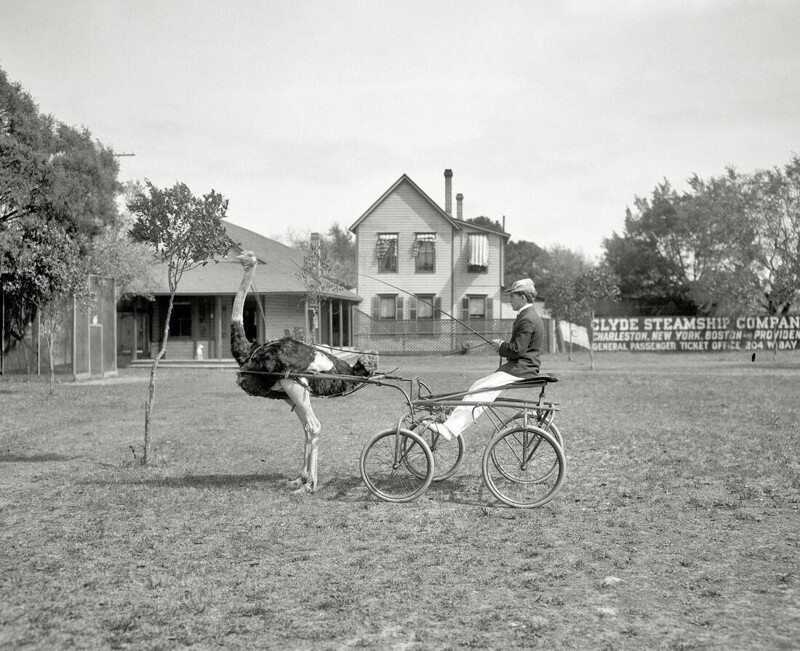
x=463 y=417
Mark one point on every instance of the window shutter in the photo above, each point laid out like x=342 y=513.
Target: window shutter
x=465 y=309
x=376 y=307
x=437 y=303
x=399 y=315
x=412 y=308
x=490 y=309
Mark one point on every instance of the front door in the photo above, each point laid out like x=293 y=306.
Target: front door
x=134 y=334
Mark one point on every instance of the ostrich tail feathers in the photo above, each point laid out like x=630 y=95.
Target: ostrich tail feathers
x=240 y=346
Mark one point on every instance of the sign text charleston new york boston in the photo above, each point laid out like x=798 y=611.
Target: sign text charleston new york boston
x=679 y=333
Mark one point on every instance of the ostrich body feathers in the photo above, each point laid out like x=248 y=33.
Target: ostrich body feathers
x=263 y=369
x=284 y=356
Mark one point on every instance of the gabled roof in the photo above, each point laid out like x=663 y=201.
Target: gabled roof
x=276 y=274
x=458 y=224
x=480 y=227
x=405 y=178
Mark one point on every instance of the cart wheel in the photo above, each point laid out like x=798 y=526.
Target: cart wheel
x=523 y=466
x=387 y=461
x=517 y=420
x=447 y=455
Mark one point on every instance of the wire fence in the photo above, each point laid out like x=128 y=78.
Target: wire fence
x=423 y=336
x=84 y=341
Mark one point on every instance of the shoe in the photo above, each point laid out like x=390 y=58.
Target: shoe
x=441 y=430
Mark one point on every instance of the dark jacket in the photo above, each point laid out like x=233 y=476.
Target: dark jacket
x=524 y=348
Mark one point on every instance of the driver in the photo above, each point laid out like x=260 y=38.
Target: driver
x=522 y=353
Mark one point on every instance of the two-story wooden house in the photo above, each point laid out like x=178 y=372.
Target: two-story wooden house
x=418 y=266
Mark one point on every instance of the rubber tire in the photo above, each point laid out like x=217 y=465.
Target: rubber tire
x=444 y=467
x=500 y=455
x=415 y=484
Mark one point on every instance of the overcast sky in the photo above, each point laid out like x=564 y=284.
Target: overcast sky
x=553 y=114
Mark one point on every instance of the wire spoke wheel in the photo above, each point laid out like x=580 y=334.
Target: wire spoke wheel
x=397 y=465
x=447 y=455
x=523 y=466
x=518 y=420
x=506 y=461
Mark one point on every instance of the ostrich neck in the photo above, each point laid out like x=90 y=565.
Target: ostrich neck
x=238 y=303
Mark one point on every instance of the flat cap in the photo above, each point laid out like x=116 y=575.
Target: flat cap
x=524 y=285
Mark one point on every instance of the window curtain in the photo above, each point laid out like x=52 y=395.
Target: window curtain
x=385 y=246
x=478 y=250
x=421 y=240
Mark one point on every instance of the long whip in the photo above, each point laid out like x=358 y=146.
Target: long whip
x=400 y=289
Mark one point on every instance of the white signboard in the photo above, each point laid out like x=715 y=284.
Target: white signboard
x=696 y=334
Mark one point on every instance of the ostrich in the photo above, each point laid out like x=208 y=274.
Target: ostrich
x=284 y=356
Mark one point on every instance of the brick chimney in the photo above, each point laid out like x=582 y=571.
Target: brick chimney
x=460 y=206
x=448 y=192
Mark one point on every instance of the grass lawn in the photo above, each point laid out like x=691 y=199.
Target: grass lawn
x=678 y=525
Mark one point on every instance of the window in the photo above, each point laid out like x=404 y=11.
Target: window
x=180 y=321
x=425 y=252
x=388 y=307
x=424 y=306
x=478 y=261
x=476 y=306
x=386 y=251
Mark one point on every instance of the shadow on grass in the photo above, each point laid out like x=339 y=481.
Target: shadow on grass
x=459 y=490
x=223 y=481
x=345 y=489
x=201 y=481
x=34 y=458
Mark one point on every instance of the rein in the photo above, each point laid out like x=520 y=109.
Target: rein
x=359 y=381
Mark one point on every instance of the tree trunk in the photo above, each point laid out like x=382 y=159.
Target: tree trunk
x=151 y=393
x=47 y=325
x=569 y=354
x=315 y=322
x=775 y=343
x=50 y=341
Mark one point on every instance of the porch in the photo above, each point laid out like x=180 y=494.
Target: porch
x=199 y=328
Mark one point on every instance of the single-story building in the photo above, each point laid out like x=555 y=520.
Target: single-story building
x=201 y=315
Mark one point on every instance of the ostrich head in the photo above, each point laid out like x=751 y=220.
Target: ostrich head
x=248 y=259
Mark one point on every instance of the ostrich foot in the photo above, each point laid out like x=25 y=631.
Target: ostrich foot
x=297 y=482
x=305 y=488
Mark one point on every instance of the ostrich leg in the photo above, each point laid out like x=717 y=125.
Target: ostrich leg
x=298 y=394
x=301 y=479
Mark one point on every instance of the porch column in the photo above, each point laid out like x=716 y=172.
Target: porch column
x=218 y=325
x=134 y=355
x=342 y=305
x=347 y=324
x=330 y=321
x=308 y=315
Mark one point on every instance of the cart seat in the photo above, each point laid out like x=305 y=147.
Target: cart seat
x=539 y=380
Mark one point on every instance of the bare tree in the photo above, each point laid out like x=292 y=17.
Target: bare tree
x=574 y=298
x=316 y=276
x=184 y=232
